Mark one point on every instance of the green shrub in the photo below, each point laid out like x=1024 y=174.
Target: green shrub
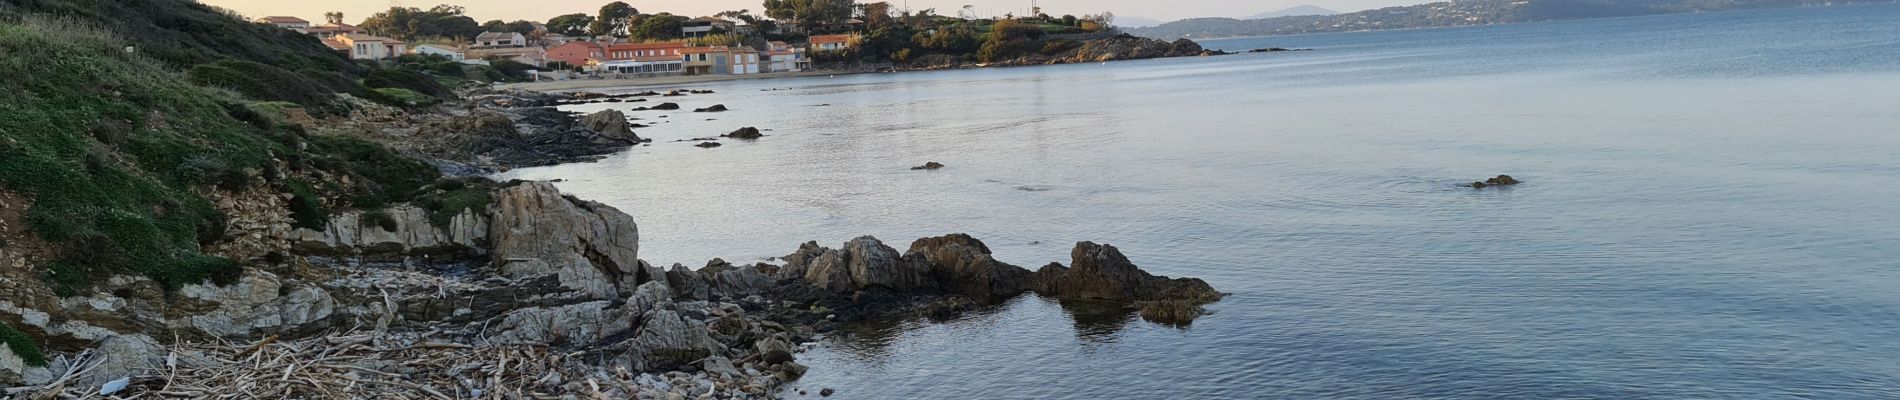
x=379 y=176
x=22 y=346
x=404 y=78
x=306 y=208
x=399 y=97
x=382 y=220
x=262 y=82
x=444 y=206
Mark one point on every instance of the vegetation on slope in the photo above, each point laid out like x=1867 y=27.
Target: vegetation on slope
x=116 y=151
x=183 y=35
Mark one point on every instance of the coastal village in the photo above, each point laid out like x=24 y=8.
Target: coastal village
x=621 y=43
x=566 y=57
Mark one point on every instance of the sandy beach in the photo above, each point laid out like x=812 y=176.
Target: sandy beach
x=580 y=84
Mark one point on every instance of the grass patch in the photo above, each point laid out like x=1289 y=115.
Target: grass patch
x=22 y=346
x=452 y=197
x=399 y=97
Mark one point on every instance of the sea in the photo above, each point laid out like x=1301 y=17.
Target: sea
x=1710 y=209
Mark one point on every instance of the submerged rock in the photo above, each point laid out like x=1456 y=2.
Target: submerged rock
x=1500 y=180
x=746 y=133
x=714 y=108
x=707 y=145
x=929 y=166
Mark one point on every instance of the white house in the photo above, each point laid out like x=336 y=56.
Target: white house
x=782 y=57
x=366 y=47
x=500 y=39
x=285 y=22
x=453 y=54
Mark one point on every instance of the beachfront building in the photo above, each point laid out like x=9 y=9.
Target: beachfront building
x=500 y=39
x=721 y=60
x=632 y=51
x=366 y=47
x=525 y=55
x=452 y=53
x=577 y=53
x=285 y=22
x=830 y=42
x=782 y=57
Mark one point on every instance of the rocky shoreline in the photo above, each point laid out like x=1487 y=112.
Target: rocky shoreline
x=539 y=294
x=1122 y=47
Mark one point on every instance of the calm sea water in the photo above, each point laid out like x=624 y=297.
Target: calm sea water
x=1712 y=210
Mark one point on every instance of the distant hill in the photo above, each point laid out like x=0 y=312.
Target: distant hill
x=1299 y=10
x=1135 y=22
x=1457 y=13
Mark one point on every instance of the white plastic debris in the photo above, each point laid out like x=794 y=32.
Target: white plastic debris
x=115 y=386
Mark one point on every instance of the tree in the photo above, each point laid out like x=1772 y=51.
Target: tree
x=1068 y=20
x=875 y=14
x=660 y=26
x=570 y=24
x=615 y=19
x=811 y=13
x=444 y=21
x=335 y=17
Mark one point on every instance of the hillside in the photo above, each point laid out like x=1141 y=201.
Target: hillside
x=1304 y=9
x=1458 y=13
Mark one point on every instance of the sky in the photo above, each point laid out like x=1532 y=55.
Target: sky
x=540 y=10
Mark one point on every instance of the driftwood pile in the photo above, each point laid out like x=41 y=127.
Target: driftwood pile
x=351 y=365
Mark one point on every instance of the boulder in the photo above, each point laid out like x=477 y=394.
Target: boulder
x=591 y=247
x=664 y=106
x=1101 y=272
x=799 y=261
x=688 y=284
x=1500 y=180
x=611 y=124
x=707 y=145
x=929 y=166
x=395 y=231
x=746 y=133
x=829 y=271
x=258 y=303
x=735 y=282
x=124 y=356
x=773 y=350
x=574 y=324
x=872 y=264
x=714 y=108
x=667 y=339
x=963 y=264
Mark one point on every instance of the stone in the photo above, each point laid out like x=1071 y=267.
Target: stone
x=826 y=392
x=872 y=264
x=963 y=264
x=667 y=339
x=799 y=261
x=1500 y=180
x=735 y=282
x=574 y=324
x=590 y=247
x=665 y=106
x=357 y=233
x=258 y=303
x=746 y=133
x=714 y=108
x=707 y=145
x=611 y=124
x=1171 y=312
x=1101 y=272
x=929 y=166
x=688 y=284
x=829 y=271
x=720 y=366
x=773 y=350
x=123 y=356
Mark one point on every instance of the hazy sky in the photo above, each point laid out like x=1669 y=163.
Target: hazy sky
x=540 y=10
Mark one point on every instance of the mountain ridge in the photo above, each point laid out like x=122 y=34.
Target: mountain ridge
x=1457 y=13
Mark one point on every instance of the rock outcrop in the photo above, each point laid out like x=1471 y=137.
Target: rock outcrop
x=611 y=124
x=714 y=108
x=1500 y=180
x=929 y=166
x=746 y=133
x=394 y=231
x=591 y=247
